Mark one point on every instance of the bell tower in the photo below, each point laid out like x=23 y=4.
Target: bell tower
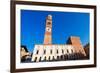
x=48 y=30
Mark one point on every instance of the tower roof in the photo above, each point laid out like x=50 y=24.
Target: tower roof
x=49 y=16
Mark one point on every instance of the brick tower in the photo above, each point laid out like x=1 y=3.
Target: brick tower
x=48 y=30
x=75 y=41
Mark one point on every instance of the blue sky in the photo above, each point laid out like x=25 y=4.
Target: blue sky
x=64 y=25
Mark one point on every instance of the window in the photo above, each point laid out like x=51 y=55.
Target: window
x=49 y=58
x=35 y=59
x=49 y=23
x=57 y=57
x=67 y=51
x=61 y=57
x=45 y=58
x=50 y=51
x=44 y=51
x=37 y=52
x=57 y=51
x=39 y=59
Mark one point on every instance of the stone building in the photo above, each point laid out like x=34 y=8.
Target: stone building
x=72 y=50
x=87 y=50
x=24 y=54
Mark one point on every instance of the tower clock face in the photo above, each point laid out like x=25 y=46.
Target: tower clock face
x=48 y=29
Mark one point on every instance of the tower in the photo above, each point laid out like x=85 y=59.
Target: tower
x=75 y=41
x=48 y=30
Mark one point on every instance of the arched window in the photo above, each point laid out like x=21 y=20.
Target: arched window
x=39 y=59
x=51 y=51
x=62 y=51
x=37 y=52
x=45 y=58
x=67 y=51
x=61 y=57
x=58 y=58
x=57 y=51
x=35 y=59
x=49 y=58
x=44 y=51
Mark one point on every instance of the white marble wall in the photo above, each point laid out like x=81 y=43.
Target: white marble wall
x=67 y=49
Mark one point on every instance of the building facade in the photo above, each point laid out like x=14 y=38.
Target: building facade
x=72 y=50
x=24 y=54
